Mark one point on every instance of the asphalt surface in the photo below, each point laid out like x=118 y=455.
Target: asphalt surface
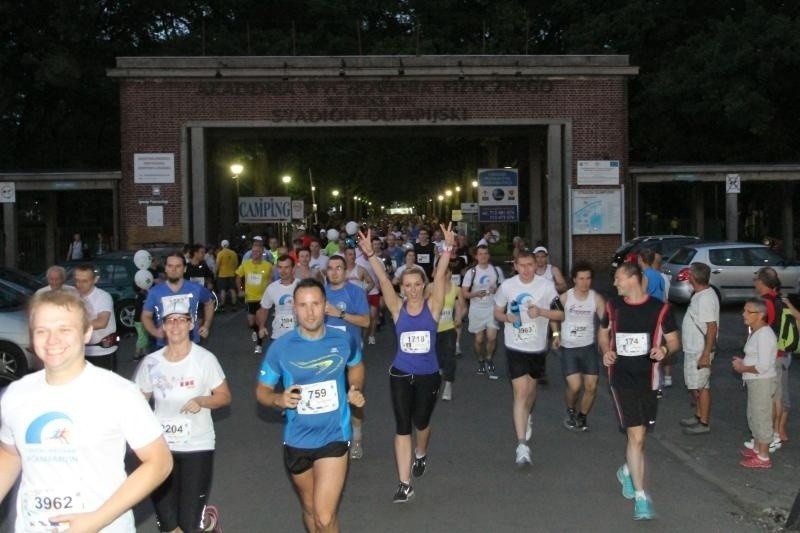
x=471 y=484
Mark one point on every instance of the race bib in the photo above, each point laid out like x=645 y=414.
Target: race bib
x=286 y=322
x=447 y=315
x=423 y=258
x=455 y=279
x=176 y=303
x=40 y=504
x=632 y=344
x=578 y=333
x=526 y=331
x=176 y=430
x=415 y=341
x=316 y=398
x=199 y=281
x=254 y=278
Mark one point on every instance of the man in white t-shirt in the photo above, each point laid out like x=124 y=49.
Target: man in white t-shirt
x=102 y=347
x=64 y=429
x=280 y=296
x=699 y=333
x=478 y=288
x=526 y=304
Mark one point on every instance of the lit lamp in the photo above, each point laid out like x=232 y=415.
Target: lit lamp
x=237 y=169
x=286 y=181
x=474 y=190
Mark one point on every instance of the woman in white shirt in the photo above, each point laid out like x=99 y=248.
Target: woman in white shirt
x=186 y=382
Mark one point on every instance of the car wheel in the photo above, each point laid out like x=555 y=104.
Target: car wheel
x=13 y=364
x=126 y=310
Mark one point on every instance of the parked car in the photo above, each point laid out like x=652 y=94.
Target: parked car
x=16 y=354
x=22 y=280
x=663 y=244
x=116 y=274
x=733 y=265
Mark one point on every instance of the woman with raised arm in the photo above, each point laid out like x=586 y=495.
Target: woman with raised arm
x=414 y=375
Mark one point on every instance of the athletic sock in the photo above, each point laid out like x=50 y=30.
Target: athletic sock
x=640 y=494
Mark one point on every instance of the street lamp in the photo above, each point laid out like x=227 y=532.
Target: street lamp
x=335 y=194
x=237 y=169
x=474 y=190
x=286 y=181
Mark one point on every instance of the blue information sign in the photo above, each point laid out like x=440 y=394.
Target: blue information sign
x=498 y=195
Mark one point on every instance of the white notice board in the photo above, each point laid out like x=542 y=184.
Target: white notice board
x=596 y=211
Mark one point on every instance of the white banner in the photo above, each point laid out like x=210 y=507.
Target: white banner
x=265 y=209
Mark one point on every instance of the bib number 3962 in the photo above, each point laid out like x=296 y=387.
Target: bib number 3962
x=39 y=505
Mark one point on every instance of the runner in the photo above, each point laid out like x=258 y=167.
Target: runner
x=580 y=361
x=449 y=325
x=312 y=362
x=636 y=333
x=478 y=288
x=347 y=309
x=414 y=375
x=526 y=304
x=65 y=428
x=280 y=295
x=185 y=382
x=252 y=278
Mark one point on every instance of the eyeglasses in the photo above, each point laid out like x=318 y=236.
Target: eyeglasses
x=174 y=320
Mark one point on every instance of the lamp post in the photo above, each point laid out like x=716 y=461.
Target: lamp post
x=286 y=181
x=236 y=169
x=335 y=194
x=285 y=230
x=474 y=190
x=439 y=211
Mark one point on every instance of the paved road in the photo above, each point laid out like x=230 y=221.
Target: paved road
x=471 y=484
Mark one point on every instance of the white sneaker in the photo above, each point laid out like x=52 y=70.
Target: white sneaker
x=257 y=349
x=523 y=456
x=254 y=336
x=529 y=428
x=458 y=349
x=774 y=445
x=667 y=381
x=447 y=391
x=371 y=339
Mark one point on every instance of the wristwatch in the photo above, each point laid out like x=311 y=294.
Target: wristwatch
x=341 y=315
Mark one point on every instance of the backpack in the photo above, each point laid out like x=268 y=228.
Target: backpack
x=472 y=281
x=788 y=335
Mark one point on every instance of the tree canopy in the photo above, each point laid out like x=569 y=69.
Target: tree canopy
x=716 y=82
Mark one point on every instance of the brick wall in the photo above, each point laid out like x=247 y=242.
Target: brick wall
x=153 y=112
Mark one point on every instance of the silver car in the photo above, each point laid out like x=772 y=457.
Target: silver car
x=16 y=355
x=733 y=266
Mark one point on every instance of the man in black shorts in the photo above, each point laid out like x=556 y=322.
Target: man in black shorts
x=636 y=332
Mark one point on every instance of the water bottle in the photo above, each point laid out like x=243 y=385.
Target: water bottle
x=514 y=308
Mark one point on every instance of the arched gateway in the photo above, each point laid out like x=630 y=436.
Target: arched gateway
x=571 y=111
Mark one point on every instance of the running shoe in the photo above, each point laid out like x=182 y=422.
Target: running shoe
x=447 y=391
x=773 y=446
x=626 y=481
x=356 y=450
x=211 y=519
x=371 y=340
x=756 y=462
x=659 y=394
x=529 y=428
x=523 y=456
x=699 y=429
x=689 y=422
x=254 y=336
x=581 y=423
x=748 y=453
x=667 y=382
x=418 y=468
x=491 y=371
x=458 y=349
x=404 y=494
x=257 y=349
x=481 y=368
x=570 y=423
x=643 y=509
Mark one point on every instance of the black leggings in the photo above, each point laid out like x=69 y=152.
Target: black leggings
x=446 y=352
x=413 y=399
x=180 y=500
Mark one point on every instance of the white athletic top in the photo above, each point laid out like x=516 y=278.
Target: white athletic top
x=282 y=297
x=485 y=279
x=97 y=302
x=532 y=333
x=172 y=384
x=578 y=328
x=71 y=440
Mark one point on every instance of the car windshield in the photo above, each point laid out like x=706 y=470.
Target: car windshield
x=683 y=256
x=11 y=298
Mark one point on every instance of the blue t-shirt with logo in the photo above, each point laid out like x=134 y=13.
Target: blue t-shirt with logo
x=350 y=299
x=319 y=366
